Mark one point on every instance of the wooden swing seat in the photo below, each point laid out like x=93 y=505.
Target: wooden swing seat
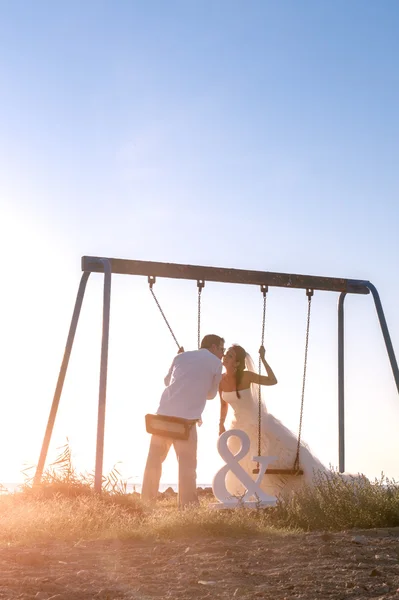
x=284 y=472
x=280 y=471
x=171 y=427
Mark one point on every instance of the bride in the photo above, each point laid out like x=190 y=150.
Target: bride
x=239 y=388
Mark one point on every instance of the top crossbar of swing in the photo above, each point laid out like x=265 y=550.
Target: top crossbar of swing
x=219 y=274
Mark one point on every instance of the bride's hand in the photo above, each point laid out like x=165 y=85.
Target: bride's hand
x=222 y=429
x=262 y=351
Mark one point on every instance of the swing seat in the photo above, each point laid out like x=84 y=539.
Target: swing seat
x=280 y=471
x=284 y=472
x=171 y=427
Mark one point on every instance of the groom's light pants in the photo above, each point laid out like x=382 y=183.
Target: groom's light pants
x=186 y=453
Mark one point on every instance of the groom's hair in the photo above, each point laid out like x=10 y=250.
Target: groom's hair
x=209 y=340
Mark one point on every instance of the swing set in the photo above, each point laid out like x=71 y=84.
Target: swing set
x=201 y=274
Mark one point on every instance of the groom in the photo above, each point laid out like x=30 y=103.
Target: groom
x=193 y=379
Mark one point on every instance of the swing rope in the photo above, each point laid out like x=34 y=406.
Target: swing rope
x=296 y=470
x=309 y=294
x=264 y=290
x=200 y=286
x=151 y=281
x=162 y=425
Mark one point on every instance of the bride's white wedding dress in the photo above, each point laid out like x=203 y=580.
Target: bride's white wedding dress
x=276 y=440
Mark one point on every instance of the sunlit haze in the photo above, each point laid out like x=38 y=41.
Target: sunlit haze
x=259 y=135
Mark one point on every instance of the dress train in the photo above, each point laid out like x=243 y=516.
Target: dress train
x=276 y=440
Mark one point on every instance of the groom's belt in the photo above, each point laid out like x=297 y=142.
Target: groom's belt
x=171 y=427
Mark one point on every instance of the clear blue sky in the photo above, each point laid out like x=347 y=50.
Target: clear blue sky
x=260 y=135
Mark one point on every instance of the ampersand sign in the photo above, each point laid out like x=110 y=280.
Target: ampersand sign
x=253 y=489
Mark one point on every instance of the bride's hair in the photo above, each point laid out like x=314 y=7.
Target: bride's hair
x=240 y=357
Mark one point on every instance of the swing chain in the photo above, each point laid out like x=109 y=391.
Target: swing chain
x=151 y=281
x=200 y=286
x=309 y=294
x=264 y=289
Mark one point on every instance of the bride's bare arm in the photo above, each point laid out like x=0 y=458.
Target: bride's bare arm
x=269 y=379
x=223 y=413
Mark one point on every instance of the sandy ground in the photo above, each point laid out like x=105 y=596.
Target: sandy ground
x=363 y=564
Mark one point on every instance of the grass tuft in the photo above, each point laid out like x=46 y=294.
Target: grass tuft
x=336 y=503
x=65 y=507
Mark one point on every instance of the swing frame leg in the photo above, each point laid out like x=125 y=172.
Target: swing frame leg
x=61 y=378
x=341 y=387
x=98 y=475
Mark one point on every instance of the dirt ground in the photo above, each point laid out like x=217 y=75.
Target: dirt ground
x=361 y=564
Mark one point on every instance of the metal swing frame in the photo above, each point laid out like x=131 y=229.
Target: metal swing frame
x=108 y=266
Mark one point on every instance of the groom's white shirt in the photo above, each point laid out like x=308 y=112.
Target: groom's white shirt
x=193 y=379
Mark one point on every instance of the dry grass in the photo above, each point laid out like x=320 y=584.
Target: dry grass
x=331 y=504
x=65 y=507
x=336 y=503
x=25 y=519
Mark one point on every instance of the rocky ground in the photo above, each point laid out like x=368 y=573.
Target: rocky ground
x=362 y=564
